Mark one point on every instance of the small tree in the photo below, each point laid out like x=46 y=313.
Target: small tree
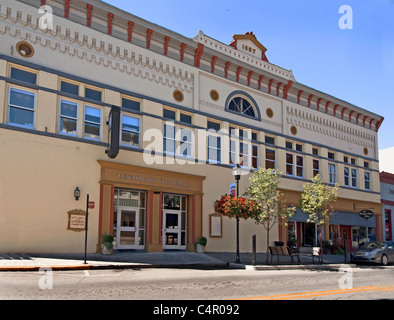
x=317 y=200
x=264 y=190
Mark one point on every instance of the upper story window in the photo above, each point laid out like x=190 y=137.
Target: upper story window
x=130 y=104
x=269 y=140
x=68 y=117
x=130 y=131
x=169 y=114
x=242 y=103
x=332 y=173
x=185 y=118
x=69 y=88
x=23 y=75
x=93 y=94
x=21 y=108
x=92 y=121
x=213 y=125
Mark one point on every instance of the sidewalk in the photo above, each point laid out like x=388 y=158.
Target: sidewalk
x=169 y=259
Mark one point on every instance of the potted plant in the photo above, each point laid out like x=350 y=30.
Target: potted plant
x=200 y=245
x=107 y=246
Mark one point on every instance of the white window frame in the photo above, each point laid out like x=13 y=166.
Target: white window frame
x=354 y=178
x=185 y=145
x=290 y=165
x=21 y=107
x=91 y=122
x=67 y=117
x=255 y=157
x=269 y=160
x=244 y=157
x=346 y=176
x=313 y=169
x=332 y=173
x=366 y=173
x=169 y=138
x=216 y=148
x=298 y=166
x=124 y=143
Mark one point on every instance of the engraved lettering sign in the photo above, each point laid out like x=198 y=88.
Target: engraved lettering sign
x=76 y=220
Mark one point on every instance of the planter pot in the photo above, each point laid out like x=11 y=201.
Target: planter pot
x=200 y=248
x=106 y=251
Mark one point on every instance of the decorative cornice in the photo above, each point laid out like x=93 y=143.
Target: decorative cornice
x=225 y=54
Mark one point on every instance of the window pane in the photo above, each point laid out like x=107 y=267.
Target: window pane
x=270 y=154
x=186 y=135
x=289 y=158
x=22 y=99
x=130 y=124
x=169 y=146
x=213 y=125
x=169 y=131
x=269 y=140
x=22 y=75
x=92 y=115
x=68 y=109
x=130 y=138
x=68 y=126
x=21 y=117
x=92 y=94
x=169 y=114
x=69 y=88
x=92 y=130
x=186 y=118
x=130 y=104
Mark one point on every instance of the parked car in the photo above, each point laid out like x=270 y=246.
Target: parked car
x=375 y=251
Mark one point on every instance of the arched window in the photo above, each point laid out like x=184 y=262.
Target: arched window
x=242 y=103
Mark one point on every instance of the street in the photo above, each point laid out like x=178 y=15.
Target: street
x=361 y=283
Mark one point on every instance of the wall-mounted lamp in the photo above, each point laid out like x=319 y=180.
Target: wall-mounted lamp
x=77 y=193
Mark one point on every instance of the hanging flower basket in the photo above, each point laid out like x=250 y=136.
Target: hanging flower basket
x=243 y=208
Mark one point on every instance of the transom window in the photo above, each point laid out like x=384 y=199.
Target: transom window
x=242 y=103
x=242 y=106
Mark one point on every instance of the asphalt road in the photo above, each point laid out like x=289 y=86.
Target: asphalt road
x=364 y=283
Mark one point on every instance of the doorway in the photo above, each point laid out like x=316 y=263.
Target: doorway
x=129 y=219
x=174 y=222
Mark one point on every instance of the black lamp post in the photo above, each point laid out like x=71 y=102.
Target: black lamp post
x=237 y=171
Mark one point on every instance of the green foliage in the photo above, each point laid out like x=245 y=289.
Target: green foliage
x=107 y=240
x=318 y=200
x=203 y=241
x=264 y=189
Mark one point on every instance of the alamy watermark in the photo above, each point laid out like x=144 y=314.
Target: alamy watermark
x=46 y=19
x=346 y=20
x=346 y=281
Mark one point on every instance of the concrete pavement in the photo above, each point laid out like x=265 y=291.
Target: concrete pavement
x=169 y=259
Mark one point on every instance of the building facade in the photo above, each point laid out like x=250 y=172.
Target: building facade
x=387 y=189
x=150 y=123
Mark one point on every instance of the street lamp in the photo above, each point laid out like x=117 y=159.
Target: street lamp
x=237 y=171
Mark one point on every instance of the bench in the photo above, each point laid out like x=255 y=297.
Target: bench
x=281 y=251
x=309 y=251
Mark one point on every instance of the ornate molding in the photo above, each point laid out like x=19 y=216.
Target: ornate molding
x=108 y=54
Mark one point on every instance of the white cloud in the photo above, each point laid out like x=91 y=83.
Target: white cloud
x=386 y=160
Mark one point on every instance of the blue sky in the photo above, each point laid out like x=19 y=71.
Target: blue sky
x=355 y=65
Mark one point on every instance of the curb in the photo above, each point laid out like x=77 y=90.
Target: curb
x=326 y=267
x=112 y=266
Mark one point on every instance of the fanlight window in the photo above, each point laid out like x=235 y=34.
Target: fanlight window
x=243 y=106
